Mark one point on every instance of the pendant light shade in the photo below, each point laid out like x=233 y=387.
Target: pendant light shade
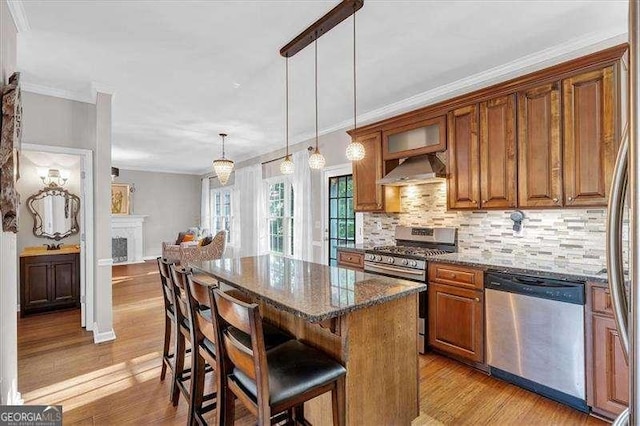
x=316 y=160
x=287 y=166
x=355 y=150
x=222 y=166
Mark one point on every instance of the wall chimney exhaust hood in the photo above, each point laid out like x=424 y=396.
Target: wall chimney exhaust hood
x=416 y=170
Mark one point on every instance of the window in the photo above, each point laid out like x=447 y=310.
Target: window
x=342 y=218
x=221 y=211
x=280 y=217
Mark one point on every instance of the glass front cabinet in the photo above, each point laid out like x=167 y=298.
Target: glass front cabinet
x=424 y=137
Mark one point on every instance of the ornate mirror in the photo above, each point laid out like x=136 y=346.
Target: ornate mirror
x=55 y=213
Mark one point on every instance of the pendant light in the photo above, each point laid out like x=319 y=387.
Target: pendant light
x=355 y=150
x=316 y=160
x=287 y=166
x=222 y=166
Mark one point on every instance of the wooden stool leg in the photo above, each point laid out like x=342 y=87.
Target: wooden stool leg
x=178 y=366
x=165 y=349
x=228 y=416
x=298 y=415
x=338 y=402
x=197 y=385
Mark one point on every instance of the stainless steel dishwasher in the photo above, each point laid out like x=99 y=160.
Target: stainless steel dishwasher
x=535 y=335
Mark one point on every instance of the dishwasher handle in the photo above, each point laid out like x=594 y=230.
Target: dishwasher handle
x=562 y=291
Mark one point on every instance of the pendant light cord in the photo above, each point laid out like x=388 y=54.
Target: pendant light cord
x=315 y=43
x=287 y=104
x=354 y=75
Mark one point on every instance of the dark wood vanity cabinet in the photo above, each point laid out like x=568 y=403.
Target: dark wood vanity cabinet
x=49 y=282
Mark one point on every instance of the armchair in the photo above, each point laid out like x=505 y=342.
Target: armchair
x=192 y=252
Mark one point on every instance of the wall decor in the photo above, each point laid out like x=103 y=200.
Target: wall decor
x=55 y=213
x=120 y=198
x=10 y=140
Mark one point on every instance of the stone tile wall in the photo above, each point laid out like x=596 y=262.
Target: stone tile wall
x=576 y=235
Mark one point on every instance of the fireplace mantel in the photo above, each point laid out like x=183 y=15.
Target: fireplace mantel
x=130 y=227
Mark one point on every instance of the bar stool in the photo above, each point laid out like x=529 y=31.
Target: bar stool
x=274 y=381
x=169 y=316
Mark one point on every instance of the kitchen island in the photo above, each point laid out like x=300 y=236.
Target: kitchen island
x=367 y=322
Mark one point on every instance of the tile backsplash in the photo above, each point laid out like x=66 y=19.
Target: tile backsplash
x=576 y=235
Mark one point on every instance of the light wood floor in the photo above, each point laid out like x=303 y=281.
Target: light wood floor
x=118 y=382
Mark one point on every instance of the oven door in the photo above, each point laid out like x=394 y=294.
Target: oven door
x=396 y=271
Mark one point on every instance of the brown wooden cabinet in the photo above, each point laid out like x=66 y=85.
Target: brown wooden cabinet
x=540 y=147
x=590 y=148
x=350 y=259
x=607 y=370
x=413 y=138
x=49 y=282
x=456 y=311
x=498 y=176
x=368 y=196
x=464 y=165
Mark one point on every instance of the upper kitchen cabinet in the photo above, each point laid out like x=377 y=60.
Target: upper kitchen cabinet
x=415 y=138
x=589 y=114
x=498 y=166
x=539 y=147
x=368 y=195
x=464 y=165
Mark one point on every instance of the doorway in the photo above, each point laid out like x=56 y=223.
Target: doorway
x=78 y=165
x=342 y=225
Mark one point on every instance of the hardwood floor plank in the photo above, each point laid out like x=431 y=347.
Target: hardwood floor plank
x=118 y=382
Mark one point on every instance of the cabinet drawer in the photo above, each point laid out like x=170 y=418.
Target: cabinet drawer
x=350 y=259
x=458 y=276
x=601 y=300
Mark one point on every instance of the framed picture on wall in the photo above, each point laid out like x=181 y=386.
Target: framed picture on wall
x=120 y=198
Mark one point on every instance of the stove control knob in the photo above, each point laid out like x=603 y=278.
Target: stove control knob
x=413 y=263
x=405 y=262
x=378 y=258
x=390 y=260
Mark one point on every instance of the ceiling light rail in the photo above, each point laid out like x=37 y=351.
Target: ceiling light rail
x=323 y=25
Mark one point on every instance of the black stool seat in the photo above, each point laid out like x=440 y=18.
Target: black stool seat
x=294 y=368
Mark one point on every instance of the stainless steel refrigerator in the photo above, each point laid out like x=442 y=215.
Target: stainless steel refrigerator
x=624 y=205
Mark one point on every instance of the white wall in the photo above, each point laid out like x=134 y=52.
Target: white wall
x=61 y=122
x=30 y=183
x=171 y=201
x=8 y=257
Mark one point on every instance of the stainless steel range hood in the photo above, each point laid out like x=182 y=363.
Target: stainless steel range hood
x=416 y=170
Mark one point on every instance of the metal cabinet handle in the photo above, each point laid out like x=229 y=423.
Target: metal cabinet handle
x=570 y=199
x=555 y=200
x=477 y=299
x=614 y=244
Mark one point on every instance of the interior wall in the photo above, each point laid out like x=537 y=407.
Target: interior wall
x=171 y=202
x=30 y=183
x=8 y=258
x=61 y=122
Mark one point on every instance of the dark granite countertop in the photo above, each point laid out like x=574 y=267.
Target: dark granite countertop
x=360 y=248
x=308 y=290
x=525 y=265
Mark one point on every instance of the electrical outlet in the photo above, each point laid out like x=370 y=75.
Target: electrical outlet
x=379 y=226
x=520 y=233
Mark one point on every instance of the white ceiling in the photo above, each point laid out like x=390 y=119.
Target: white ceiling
x=184 y=71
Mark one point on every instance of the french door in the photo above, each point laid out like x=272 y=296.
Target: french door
x=341 y=219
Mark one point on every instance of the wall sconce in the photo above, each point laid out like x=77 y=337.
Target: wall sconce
x=54 y=177
x=115 y=172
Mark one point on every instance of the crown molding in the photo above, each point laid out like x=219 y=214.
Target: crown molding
x=40 y=89
x=19 y=15
x=156 y=170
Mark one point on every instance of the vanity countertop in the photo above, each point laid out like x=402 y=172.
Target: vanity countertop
x=42 y=251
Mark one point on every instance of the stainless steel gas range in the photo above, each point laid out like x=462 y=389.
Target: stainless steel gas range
x=409 y=258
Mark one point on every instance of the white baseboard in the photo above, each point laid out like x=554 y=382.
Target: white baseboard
x=15 y=398
x=151 y=257
x=105 y=262
x=105 y=336
x=127 y=263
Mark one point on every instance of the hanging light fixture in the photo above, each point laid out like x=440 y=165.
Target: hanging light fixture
x=355 y=150
x=287 y=166
x=316 y=160
x=222 y=166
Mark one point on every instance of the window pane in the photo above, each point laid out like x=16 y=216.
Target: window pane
x=342 y=187
x=351 y=229
x=291 y=201
x=333 y=209
x=333 y=228
x=342 y=208
x=333 y=187
x=350 y=208
x=349 y=186
x=342 y=229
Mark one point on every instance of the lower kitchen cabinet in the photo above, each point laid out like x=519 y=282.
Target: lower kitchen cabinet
x=607 y=370
x=456 y=315
x=49 y=282
x=350 y=259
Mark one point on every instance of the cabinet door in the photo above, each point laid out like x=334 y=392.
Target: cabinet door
x=498 y=153
x=368 y=196
x=63 y=283
x=589 y=131
x=464 y=170
x=414 y=139
x=539 y=147
x=456 y=321
x=610 y=371
x=35 y=288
